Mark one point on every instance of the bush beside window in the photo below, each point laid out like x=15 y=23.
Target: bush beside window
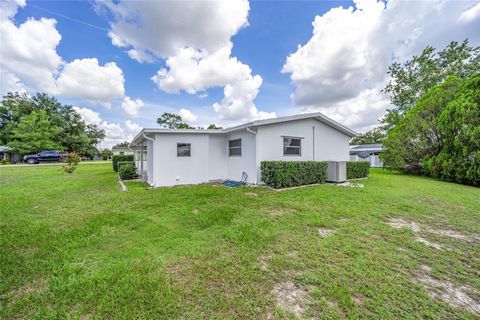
x=357 y=169
x=285 y=174
x=118 y=158
x=127 y=171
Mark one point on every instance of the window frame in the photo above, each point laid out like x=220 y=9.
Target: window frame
x=189 y=149
x=239 y=148
x=297 y=147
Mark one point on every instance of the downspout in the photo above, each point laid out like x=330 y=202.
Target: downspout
x=256 y=153
x=313 y=134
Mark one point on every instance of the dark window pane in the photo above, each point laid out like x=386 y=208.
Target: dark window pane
x=292 y=146
x=235 y=152
x=235 y=147
x=235 y=143
x=183 y=150
x=291 y=142
x=292 y=150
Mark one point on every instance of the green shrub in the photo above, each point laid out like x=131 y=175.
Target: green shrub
x=5 y=162
x=122 y=163
x=284 y=174
x=127 y=171
x=118 y=158
x=357 y=169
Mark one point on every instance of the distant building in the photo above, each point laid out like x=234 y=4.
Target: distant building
x=8 y=154
x=121 y=151
x=367 y=152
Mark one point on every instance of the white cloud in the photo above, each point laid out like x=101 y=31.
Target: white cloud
x=29 y=51
x=162 y=27
x=470 y=14
x=114 y=132
x=10 y=83
x=87 y=79
x=132 y=126
x=187 y=115
x=88 y=115
x=28 y=56
x=343 y=67
x=132 y=107
x=195 y=39
x=140 y=56
x=8 y=8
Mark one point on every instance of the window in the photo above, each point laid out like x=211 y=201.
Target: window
x=292 y=146
x=184 y=150
x=122 y=153
x=235 y=147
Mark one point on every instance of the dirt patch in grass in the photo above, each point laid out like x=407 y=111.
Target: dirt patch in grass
x=456 y=296
x=324 y=232
x=416 y=227
x=350 y=184
x=275 y=212
x=251 y=194
x=291 y=298
x=429 y=243
x=264 y=262
x=36 y=287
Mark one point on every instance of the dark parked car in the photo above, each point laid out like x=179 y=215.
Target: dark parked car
x=44 y=156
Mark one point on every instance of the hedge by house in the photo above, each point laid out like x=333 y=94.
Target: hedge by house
x=127 y=171
x=122 y=163
x=118 y=158
x=357 y=169
x=284 y=174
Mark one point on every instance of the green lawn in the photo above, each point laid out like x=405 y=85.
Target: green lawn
x=77 y=247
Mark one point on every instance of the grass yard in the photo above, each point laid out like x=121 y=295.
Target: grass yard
x=77 y=247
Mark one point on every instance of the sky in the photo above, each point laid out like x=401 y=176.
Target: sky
x=122 y=64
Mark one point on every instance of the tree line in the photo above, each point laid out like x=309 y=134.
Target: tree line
x=433 y=127
x=30 y=124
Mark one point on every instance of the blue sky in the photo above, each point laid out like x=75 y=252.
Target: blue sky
x=276 y=57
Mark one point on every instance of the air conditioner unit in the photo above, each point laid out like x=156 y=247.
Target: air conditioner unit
x=337 y=171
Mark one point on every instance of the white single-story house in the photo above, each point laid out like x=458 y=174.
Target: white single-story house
x=192 y=156
x=121 y=151
x=367 y=152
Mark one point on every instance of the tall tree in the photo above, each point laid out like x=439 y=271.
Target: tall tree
x=122 y=144
x=172 y=121
x=35 y=133
x=413 y=78
x=74 y=133
x=213 y=126
x=373 y=136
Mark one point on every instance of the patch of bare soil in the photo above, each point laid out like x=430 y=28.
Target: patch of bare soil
x=350 y=184
x=399 y=223
x=35 y=287
x=429 y=243
x=416 y=227
x=324 y=232
x=291 y=298
x=264 y=262
x=279 y=211
x=251 y=194
x=456 y=296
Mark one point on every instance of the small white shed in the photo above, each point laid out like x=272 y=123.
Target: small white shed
x=191 y=156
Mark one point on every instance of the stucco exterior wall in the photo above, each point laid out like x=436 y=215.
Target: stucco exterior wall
x=171 y=170
x=217 y=157
x=246 y=162
x=319 y=142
